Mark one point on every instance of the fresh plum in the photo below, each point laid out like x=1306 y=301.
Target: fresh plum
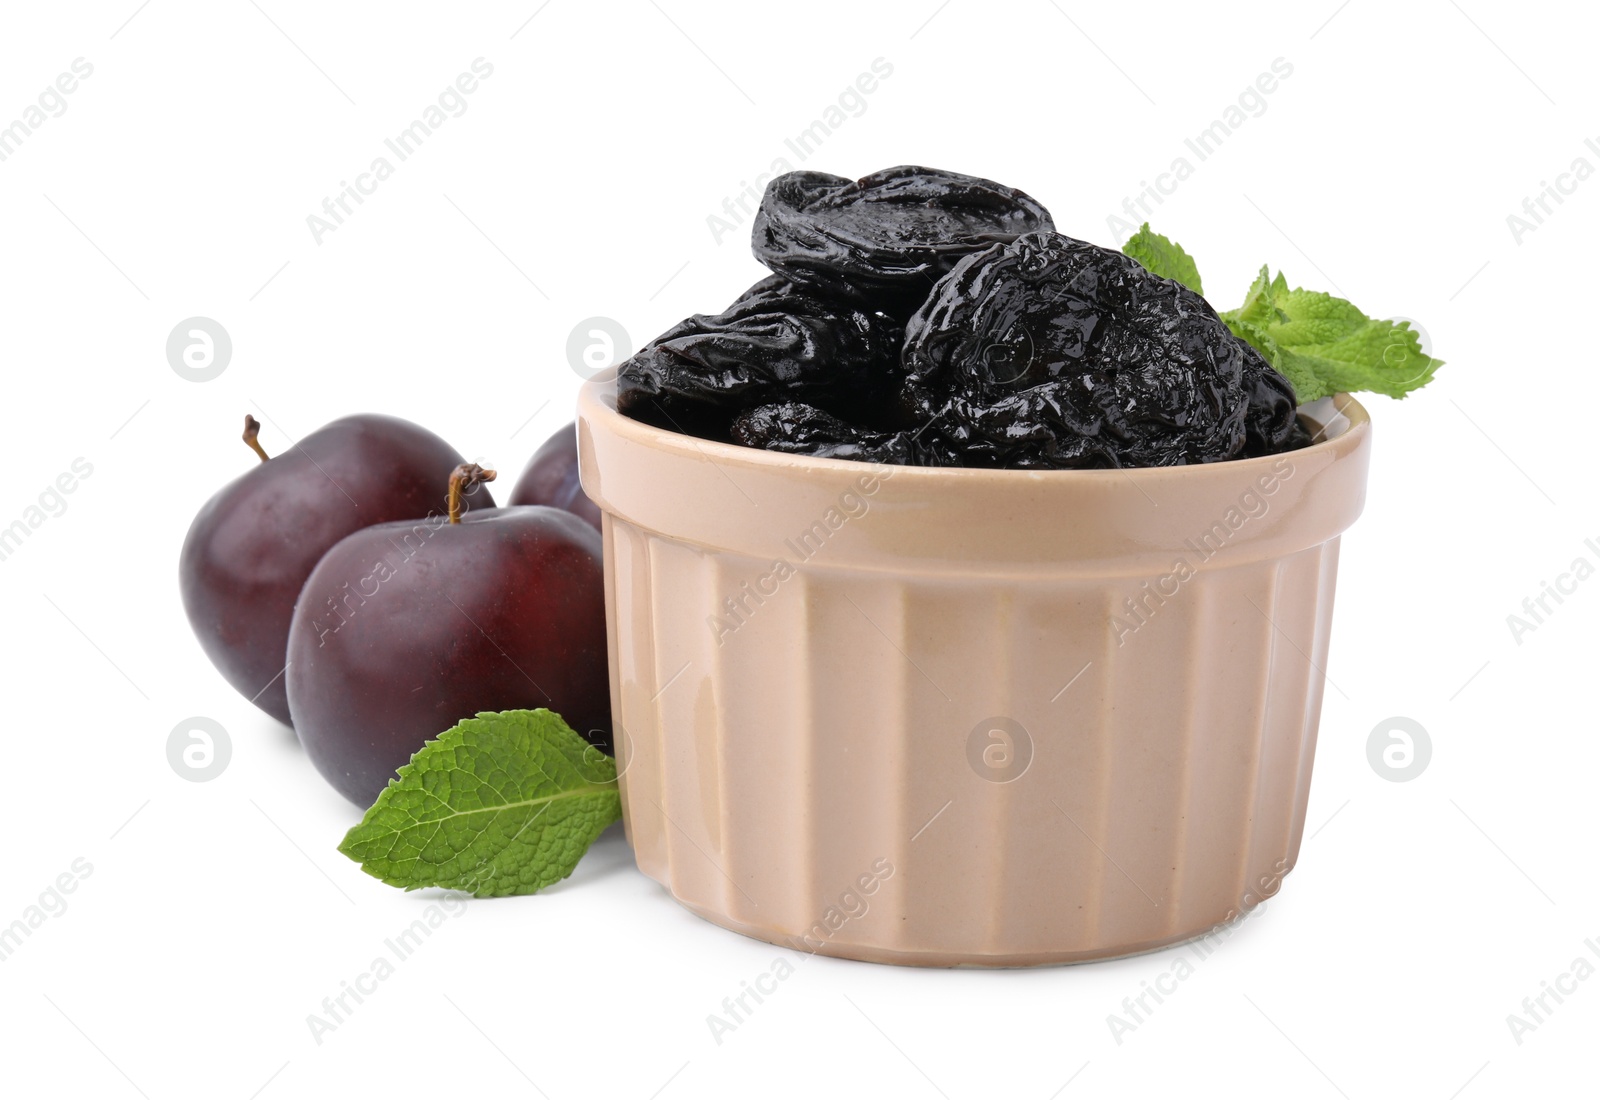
x=404 y=629
x=551 y=478
x=251 y=548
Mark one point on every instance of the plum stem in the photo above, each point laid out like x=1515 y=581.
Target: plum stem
x=464 y=479
x=252 y=428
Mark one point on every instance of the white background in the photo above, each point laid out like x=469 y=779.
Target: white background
x=578 y=183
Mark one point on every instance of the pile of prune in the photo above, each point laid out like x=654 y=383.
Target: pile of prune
x=927 y=318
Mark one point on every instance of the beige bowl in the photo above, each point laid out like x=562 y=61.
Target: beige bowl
x=966 y=717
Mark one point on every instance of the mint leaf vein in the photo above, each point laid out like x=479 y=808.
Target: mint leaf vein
x=499 y=804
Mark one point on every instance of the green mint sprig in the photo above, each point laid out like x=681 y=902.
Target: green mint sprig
x=1320 y=343
x=499 y=804
x=1163 y=257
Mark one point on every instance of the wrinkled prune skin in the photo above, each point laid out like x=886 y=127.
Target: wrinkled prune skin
x=796 y=428
x=1048 y=352
x=1271 y=425
x=887 y=237
x=930 y=318
x=776 y=342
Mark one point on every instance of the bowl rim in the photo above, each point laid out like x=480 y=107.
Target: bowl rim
x=598 y=397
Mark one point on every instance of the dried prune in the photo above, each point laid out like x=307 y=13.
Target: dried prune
x=931 y=318
x=1052 y=352
x=1271 y=425
x=889 y=236
x=776 y=342
x=797 y=428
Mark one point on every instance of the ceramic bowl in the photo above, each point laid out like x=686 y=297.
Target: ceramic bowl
x=966 y=717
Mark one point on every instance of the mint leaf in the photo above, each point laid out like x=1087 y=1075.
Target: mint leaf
x=1325 y=345
x=1252 y=322
x=499 y=804
x=1320 y=343
x=1163 y=257
x=1258 y=308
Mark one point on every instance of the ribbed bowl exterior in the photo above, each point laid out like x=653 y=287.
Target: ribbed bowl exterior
x=971 y=717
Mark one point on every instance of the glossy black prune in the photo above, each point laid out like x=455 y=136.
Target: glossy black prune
x=776 y=342
x=931 y=318
x=796 y=428
x=1271 y=425
x=887 y=237
x=1050 y=352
